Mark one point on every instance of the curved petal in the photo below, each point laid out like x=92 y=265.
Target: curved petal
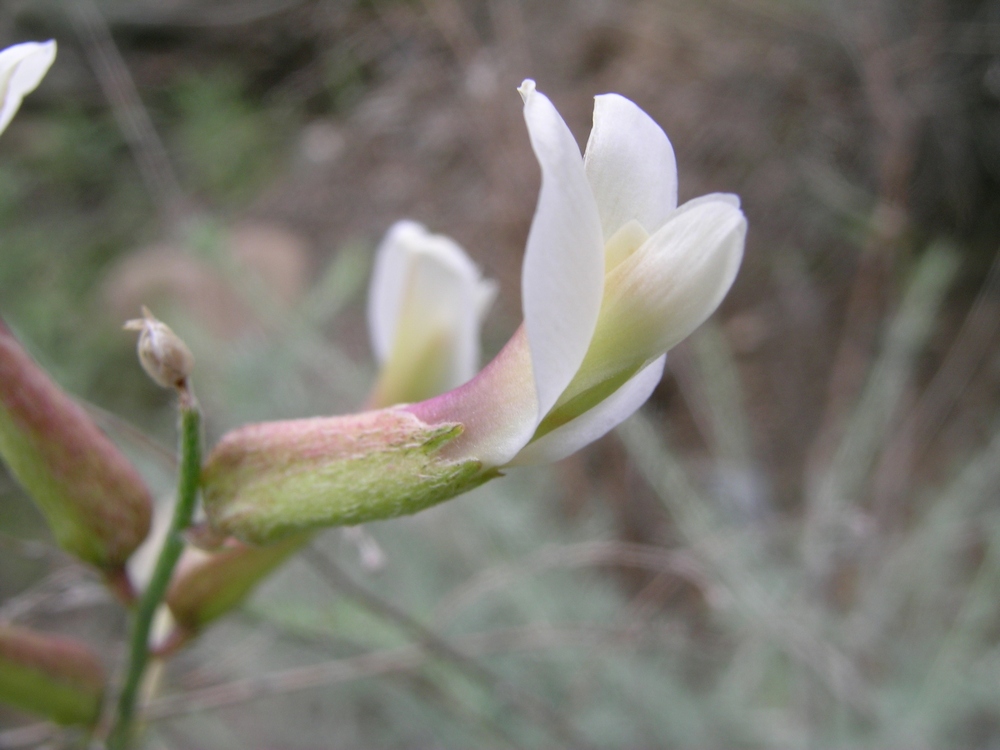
x=729 y=198
x=687 y=267
x=630 y=165
x=22 y=68
x=595 y=423
x=563 y=277
x=664 y=290
x=385 y=291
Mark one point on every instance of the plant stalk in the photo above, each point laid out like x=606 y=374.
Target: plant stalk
x=122 y=732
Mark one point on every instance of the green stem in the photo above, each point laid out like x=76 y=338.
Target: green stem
x=187 y=493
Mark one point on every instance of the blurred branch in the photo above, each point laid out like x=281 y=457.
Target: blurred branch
x=442 y=648
x=30 y=549
x=922 y=424
x=64 y=590
x=424 y=687
x=929 y=550
x=112 y=423
x=838 y=486
x=531 y=638
x=421 y=686
x=130 y=114
x=973 y=624
x=899 y=108
x=618 y=554
x=237 y=13
x=739 y=594
x=32 y=735
x=451 y=22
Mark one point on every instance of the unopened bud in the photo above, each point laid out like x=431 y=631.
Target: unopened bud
x=93 y=498
x=55 y=677
x=164 y=357
x=207 y=585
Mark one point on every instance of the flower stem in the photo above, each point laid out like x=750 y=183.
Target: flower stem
x=187 y=493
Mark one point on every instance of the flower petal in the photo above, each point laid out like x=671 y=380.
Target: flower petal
x=426 y=304
x=563 y=277
x=631 y=166
x=595 y=423
x=728 y=198
x=664 y=290
x=385 y=291
x=22 y=68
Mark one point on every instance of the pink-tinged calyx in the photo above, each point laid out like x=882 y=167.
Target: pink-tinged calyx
x=95 y=501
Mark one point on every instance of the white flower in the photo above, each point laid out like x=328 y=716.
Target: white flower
x=426 y=304
x=614 y=275
x=22 y=68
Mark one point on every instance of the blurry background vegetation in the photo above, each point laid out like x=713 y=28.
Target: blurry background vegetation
x=796 y=543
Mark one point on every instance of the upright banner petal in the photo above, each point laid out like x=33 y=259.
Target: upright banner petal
x=563 y=277
x=631 y=166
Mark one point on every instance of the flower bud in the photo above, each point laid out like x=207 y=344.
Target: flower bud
x=426 y=304
x=93 y=498
x=58 y=678
x=265 y=481
x=164 y=357
x=209 y=584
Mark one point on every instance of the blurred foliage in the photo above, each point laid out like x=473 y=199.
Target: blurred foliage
x=228 y=147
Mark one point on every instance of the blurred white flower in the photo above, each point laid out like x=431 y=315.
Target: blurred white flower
x=426 y=304
x=22 y=68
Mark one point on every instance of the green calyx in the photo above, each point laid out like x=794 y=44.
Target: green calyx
x=265 y=481
x=217 y=582
x=52 y=677
x=93 y=498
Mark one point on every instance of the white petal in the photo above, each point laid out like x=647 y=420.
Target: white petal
x=664 y=290
x=595 y=423
x=385 y=292
x=426 y=304
x=693 y=260
x=631 y=166
x=562 y=280
x=22 y=68
x=728 y=198
x=678 y=278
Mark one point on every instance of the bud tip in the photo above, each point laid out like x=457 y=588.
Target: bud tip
x=162 y=353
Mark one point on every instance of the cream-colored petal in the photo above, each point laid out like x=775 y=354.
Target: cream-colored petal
x=664 y=290
x=596 y=422
x=563 y=276
x=728 y=198
x=22 y=68
x=630 y=165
